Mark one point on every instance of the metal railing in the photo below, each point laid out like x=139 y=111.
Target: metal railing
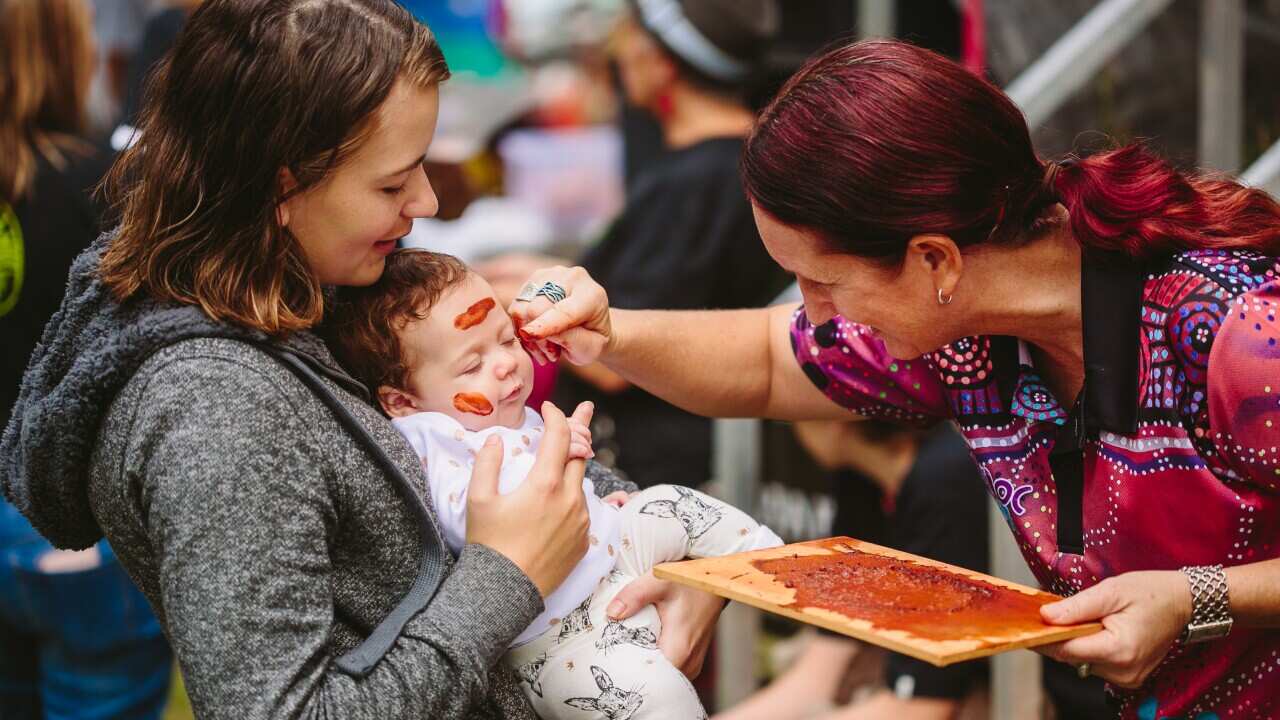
x=1265 y=171
x=1079 y=54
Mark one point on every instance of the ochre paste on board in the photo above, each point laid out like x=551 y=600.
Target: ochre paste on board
x=893 y=594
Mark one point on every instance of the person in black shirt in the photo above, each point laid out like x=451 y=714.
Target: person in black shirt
x=53 y=220
x=46 y=173
x=78 y=639
x=686 y=237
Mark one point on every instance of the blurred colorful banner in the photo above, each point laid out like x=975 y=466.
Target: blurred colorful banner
x=463 y=28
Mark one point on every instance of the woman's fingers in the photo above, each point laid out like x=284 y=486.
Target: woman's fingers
x=488 y=467
x=577 y=326
x=1100 y=647
x=688 y=618
x=638 y=593
x=1108 y=655
x=1142 y=614
x=580 y=345
x=549 y=466
x=519 y=311
x=585 y=303
x=582 y=414
x=1090 y=604
x=569 y=313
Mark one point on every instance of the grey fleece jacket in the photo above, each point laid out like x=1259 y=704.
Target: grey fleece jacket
x=265 y=537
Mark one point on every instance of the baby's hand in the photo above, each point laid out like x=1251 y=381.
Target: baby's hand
x=618 y=498
x=579 y=440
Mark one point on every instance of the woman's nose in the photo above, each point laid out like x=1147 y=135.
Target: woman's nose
x=817 y=307
x=819 y=313
x=423 y=202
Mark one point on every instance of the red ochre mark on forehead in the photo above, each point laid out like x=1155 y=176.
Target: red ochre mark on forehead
x=473 y=403
x=474 y=315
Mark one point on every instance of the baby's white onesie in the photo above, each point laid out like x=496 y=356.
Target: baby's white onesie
x=573 y=658
x=448 y=453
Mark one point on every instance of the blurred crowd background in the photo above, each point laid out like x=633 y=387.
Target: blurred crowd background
x=574 y=131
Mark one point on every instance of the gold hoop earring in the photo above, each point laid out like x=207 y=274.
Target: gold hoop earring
x=943 y=298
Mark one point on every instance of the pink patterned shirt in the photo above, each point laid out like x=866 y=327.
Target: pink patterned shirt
x=1192 y=481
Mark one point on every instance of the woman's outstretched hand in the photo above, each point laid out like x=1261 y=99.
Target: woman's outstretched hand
x=688 y=618
x=542 y=526
x=1142 y=614
x=577 y=328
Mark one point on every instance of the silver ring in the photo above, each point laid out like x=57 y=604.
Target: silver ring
x=1083 y=670
x=527 y=293
x=552 y=292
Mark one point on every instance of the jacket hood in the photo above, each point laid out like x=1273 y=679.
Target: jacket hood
x=89 y=350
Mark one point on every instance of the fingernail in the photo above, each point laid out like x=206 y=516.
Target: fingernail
x=491 y=441
x=616 y=608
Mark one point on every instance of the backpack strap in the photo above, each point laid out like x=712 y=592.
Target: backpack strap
x=360 y=661
x=1111 y=287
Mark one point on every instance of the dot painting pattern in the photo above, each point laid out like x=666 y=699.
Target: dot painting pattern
x=1198 y=483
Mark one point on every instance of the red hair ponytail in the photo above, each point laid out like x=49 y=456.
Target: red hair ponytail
x=875 y=142
x=1132 y=201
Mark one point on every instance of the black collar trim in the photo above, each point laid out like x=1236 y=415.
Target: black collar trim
x=1111 y=289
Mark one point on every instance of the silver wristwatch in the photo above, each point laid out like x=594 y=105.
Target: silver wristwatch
x=1210 y=608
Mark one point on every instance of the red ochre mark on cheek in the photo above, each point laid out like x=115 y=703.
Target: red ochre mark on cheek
x=473 y=403
x=474 y=315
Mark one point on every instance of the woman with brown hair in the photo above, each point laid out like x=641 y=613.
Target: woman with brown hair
x=78 y=637
x=181 y=403
x=1103 y=330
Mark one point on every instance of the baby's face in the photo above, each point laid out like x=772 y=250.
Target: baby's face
x=465 y=360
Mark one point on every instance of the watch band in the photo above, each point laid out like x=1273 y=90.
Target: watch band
x=1210 y=606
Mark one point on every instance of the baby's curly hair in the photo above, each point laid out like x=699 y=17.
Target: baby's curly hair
x=362 y=324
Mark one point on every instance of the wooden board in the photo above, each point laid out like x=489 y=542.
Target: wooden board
x=1016 y=625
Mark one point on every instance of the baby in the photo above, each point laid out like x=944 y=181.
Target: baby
x=449 y=370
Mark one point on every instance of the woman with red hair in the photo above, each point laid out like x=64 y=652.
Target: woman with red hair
x=1103 y=330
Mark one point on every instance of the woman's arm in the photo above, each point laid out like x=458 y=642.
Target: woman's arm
x=599 y=376
x=726 y=363
x=1254 y=593
x=718 y=363
x=241 y=526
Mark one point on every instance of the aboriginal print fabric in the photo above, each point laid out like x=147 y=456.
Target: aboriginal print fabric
x=1188 y=476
